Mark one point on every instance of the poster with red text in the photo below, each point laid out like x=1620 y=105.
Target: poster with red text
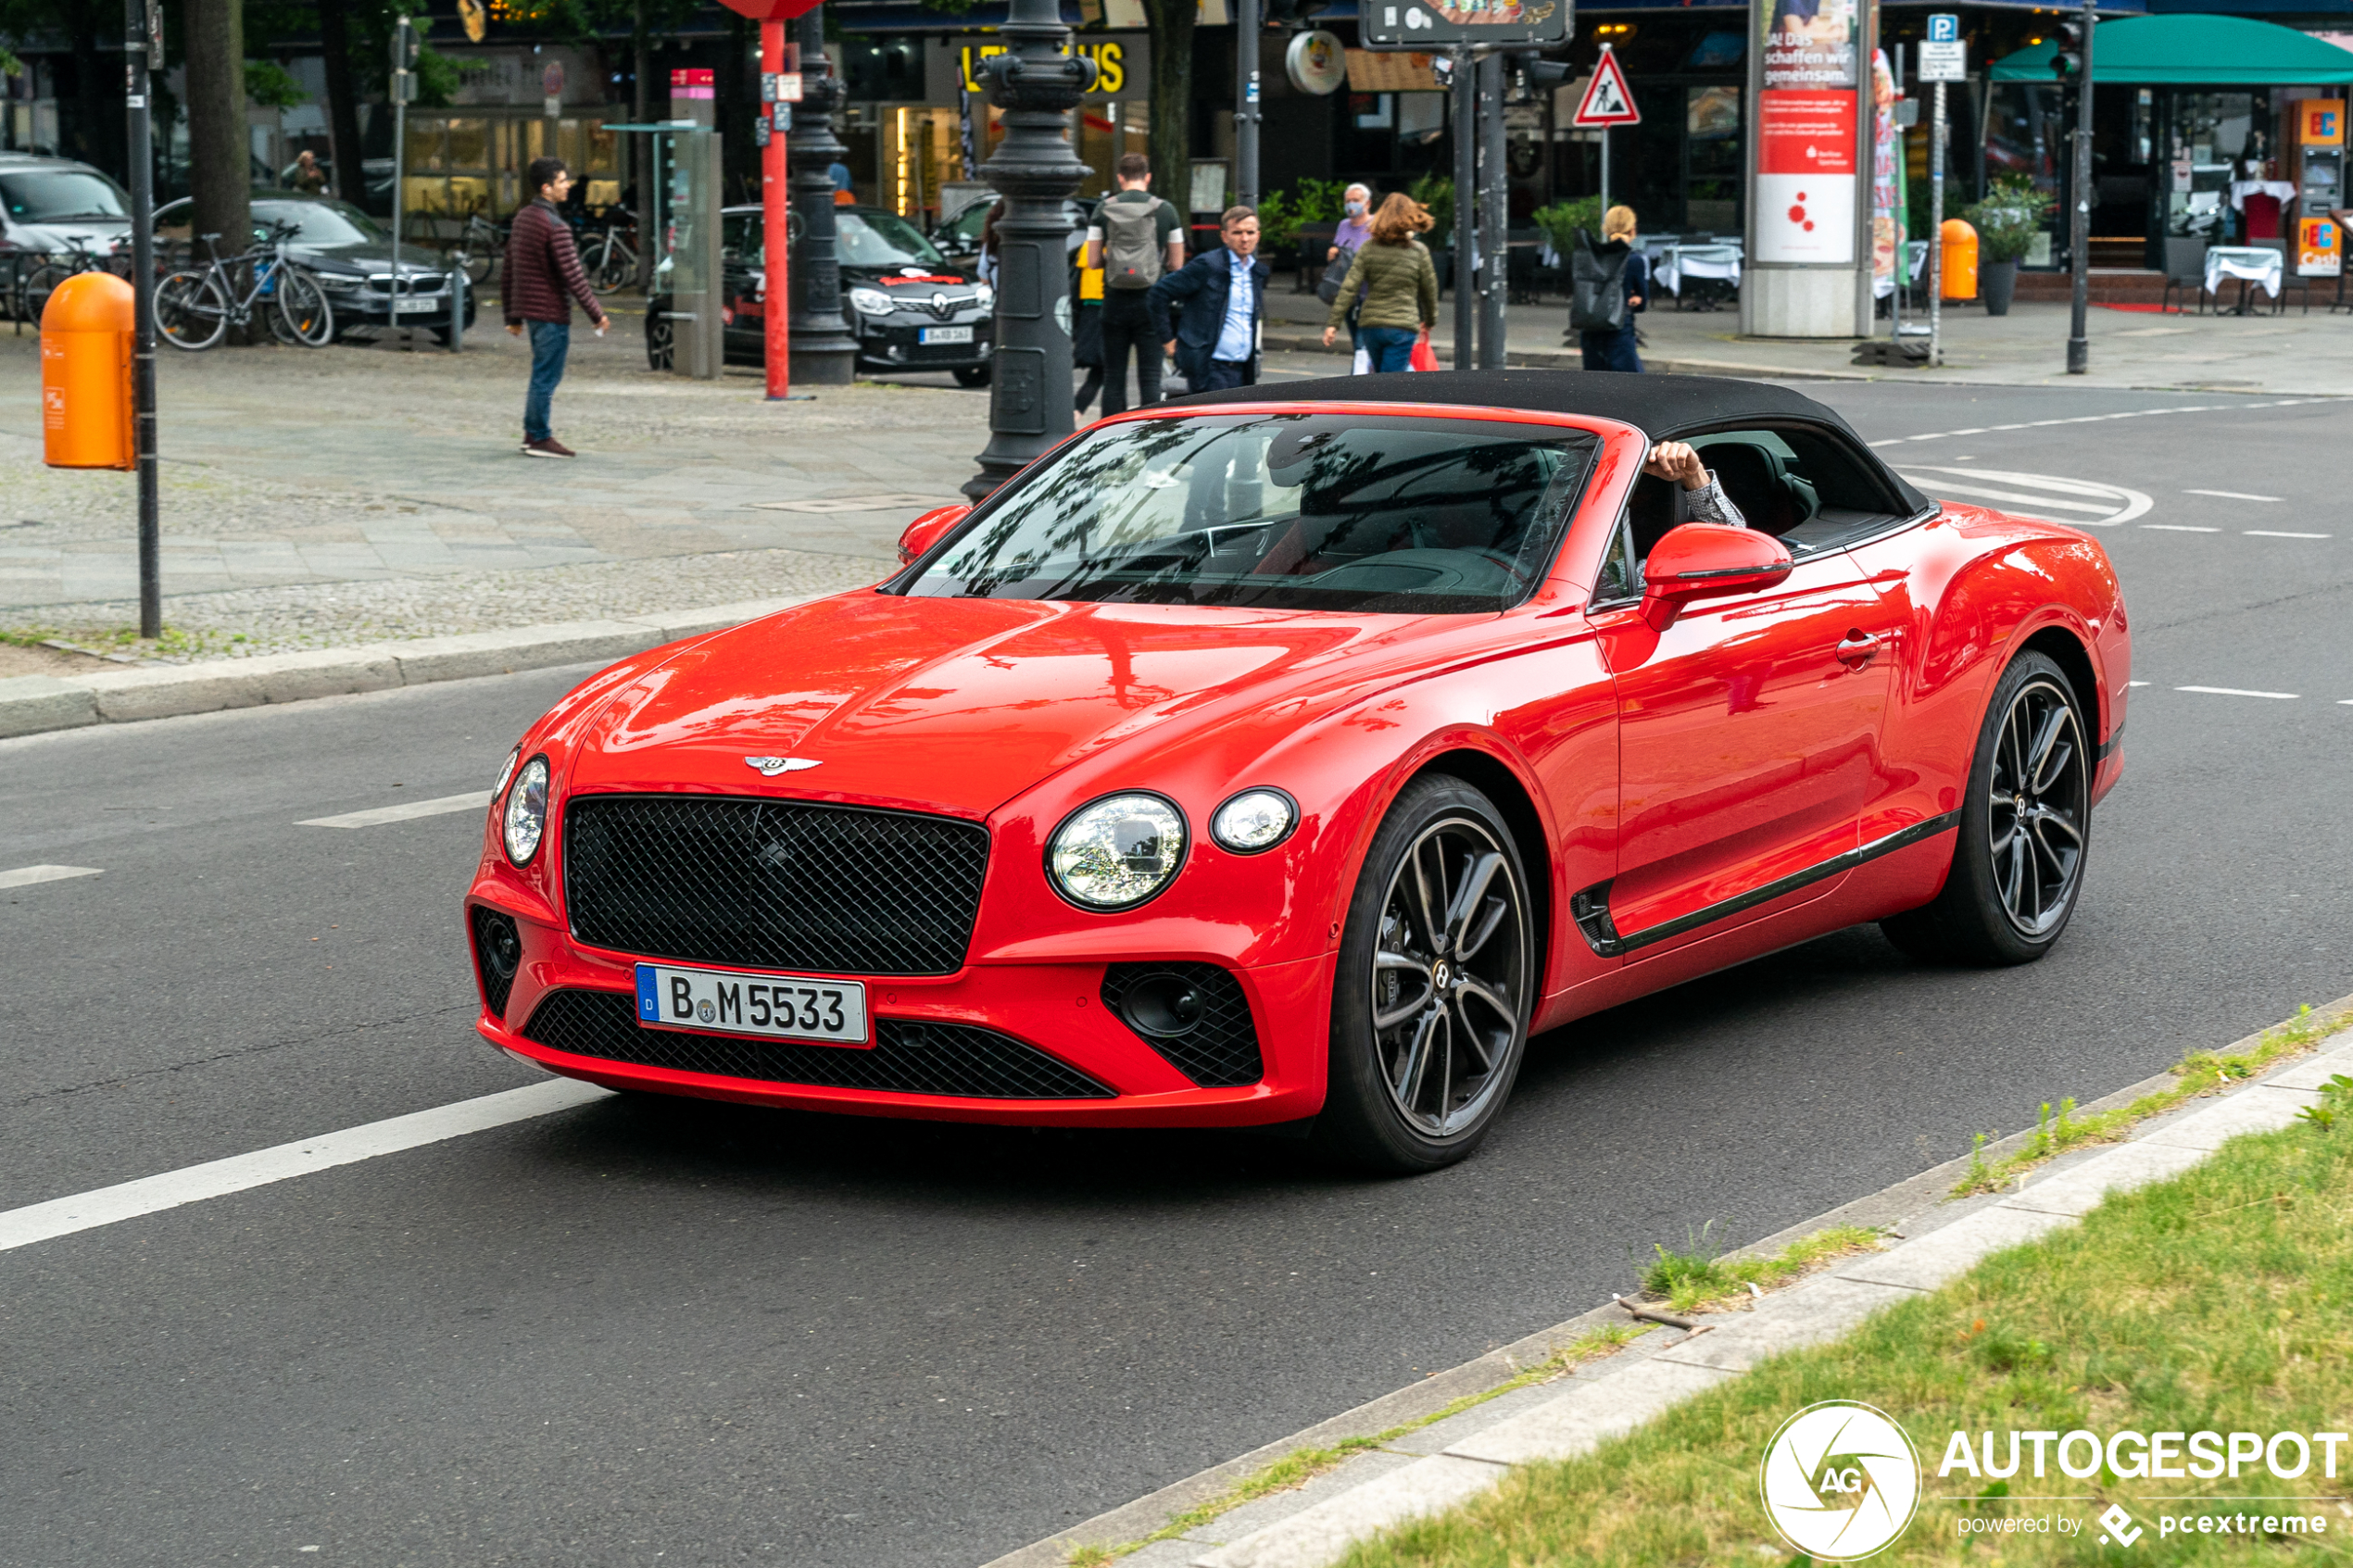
x=1806 y=177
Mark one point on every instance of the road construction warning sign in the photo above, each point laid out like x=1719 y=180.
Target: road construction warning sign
x=1607 y=100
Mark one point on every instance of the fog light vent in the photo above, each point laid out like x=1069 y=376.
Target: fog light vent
x=1193 y=1014
x=497 y=955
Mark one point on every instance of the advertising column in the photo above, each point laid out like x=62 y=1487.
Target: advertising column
x=1809 y=273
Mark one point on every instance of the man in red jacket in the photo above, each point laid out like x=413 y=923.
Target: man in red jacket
x=543 y=278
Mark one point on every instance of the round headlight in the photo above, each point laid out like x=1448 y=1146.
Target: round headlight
x=1255 y=820
x=873 y=302
x=506 y=771
x=527 y=812
x=1118 y=852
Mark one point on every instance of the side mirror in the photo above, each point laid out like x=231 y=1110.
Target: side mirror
x=1705 y=560
x=928 y=530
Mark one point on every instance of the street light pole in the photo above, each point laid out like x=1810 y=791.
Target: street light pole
x=1465 y=199
x=143 y=44
x=2079 y=233
x=1246 y=29
x=1493 y=190
x=822 y=352
x=1037 y=83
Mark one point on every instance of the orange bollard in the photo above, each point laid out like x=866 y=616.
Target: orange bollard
x=1959 y=240
x=86 y=374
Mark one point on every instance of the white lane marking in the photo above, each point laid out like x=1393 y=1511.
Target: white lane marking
x=2122 y=504
x=151 y=1195
x=25 y=876
x=2136 y=683
x=440 y=806
x=2096 y=419
x=2233 y=691
x=1942 y=486
x=2275 y=534
x=2179 y=528
x=2234 y=495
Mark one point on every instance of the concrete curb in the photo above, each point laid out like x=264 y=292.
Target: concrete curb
x=1474 y=1450
x=35 y=704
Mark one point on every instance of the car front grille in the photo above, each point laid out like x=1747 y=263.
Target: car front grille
x=909 y=1056
x=1219 y=1048
x=773 y=883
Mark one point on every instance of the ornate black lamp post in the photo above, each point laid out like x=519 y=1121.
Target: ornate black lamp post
x=1037 y=83
x=823 y=354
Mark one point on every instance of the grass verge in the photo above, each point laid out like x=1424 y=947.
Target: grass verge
x=1691 y=1282
x=1303 y=1465
x=2219 y=1301
x=174 y=642
x=2057 y=1130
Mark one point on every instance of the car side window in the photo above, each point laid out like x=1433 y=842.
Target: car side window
x=1620 y=577
x=1801 y=485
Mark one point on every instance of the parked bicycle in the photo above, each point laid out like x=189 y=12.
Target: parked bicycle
x=607 y=254
x=35 y=283
x=194 y=309
x=481 y=246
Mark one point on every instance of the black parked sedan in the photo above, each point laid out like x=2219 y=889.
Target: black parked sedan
x=907 y=309
x=350 y=253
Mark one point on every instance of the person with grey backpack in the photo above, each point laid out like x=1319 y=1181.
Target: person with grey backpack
x=1607 y=281
x=1136 y=239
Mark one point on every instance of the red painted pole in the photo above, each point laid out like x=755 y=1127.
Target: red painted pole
x=775 y=212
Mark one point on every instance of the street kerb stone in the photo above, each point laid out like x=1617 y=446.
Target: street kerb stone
x=32 y=704
x=2307 y=1075
x=1590 y=1413
x=127 y=694
x=1315 y=1537
x=1821 y=1308
x=2077 y=1192
x=298 y=677
x=1929 y=1261
x=2259 y=1110
x=676 y=623
x=525 y=648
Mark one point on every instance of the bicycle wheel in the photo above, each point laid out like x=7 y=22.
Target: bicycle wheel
x=304 y=313
x=618 y=269
x=191 y=311
x=40 y=283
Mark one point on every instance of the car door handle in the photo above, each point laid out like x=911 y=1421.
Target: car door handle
x=1857 y=649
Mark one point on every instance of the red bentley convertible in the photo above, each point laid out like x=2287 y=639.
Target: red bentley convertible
x=1297 y=752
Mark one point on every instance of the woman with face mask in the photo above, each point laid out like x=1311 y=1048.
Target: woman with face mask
x=1347 y=240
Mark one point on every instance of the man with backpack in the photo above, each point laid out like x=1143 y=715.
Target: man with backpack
x=1136 y=239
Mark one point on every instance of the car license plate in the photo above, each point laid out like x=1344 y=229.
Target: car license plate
x=947 y=334
x=415 y=306
x=775 y=1006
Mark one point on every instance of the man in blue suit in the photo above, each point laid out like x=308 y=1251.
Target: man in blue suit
x=1221 y=298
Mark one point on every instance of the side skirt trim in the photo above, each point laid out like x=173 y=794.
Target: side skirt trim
x=1590 y=909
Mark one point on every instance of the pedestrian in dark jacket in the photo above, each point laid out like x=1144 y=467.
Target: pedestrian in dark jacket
x=1398 y=284
x=543 y=278
x=1214 y=337
x=1616 y=350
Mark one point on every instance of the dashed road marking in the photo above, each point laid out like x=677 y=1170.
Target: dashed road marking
x=2179 y=528
x=473 y=801
x=218 y=1178
x=2234 y=495
x=2275 y=534
x=2234 y=691
x=25 y=876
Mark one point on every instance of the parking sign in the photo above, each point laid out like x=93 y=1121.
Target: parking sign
x=1944 y=27
x=1943 y=55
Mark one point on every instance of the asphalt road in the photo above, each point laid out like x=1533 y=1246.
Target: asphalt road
x=686 y=1333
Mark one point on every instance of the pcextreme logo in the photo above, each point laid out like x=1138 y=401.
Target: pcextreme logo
x=1841 y=1480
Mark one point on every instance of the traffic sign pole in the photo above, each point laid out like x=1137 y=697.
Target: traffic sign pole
x=1943 y=57
x=1465 y=207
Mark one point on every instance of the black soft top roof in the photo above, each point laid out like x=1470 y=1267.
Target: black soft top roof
x=1657 y=405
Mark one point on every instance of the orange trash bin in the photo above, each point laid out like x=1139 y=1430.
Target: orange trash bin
x=1959 y=240
x=86 y=374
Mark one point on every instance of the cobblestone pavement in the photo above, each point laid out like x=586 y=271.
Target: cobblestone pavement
x=352 y=493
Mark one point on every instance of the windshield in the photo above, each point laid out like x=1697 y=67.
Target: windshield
x=881 y=239
x=322 y=223
x=49 y=195
x=1281 y=511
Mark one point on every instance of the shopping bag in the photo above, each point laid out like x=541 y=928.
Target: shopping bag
x=1425 y=357
x=1364 y=365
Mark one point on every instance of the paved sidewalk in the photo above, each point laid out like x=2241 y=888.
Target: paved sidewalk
x=2295 y=353
x=352 y=493
x=1449 y=1462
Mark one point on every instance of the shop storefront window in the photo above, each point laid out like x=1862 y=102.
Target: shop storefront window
x=2208 y=136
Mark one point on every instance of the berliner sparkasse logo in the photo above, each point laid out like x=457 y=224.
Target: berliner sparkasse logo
x=1841 y=1480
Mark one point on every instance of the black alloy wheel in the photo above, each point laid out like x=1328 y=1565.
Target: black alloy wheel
x=1435 y=985
x=973 y=375
x=2026 y=825
x=659 y=348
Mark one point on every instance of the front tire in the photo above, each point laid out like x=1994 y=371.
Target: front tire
x=191 y=311
x=973 y=375
x=1434 y=987
x=303 y=315
x=661 y=348
x=2026 y=826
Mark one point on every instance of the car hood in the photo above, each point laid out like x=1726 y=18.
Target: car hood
x=949 y=705
x=362 y=259
x=67 y=232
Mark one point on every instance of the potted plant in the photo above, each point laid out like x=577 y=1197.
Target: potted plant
x=2007 y=223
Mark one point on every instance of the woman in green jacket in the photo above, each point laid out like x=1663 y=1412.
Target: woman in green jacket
x=1399 y=284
